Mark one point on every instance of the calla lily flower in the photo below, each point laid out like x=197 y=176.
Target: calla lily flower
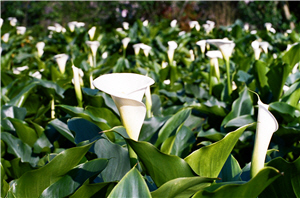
x=18 y=70
x=93 y=46
x=272 y=30
x=268 y=26
x=125 y=42
x=266 y=126
x=192 y=55
x=1 y=22
x=127 y=91
x=12 y=21
x=21 y=30
x=51 y=28
x=137 y=48
x=246 y=27
x=61 y=60
x=104 y=55
x=194 y=24
x=77 y=84
x=173 y=23
x=172 y=46
x=253 y=32
x=145 y=23
x=256 y=49
x=125 y=25
x=40 y=48
x=181 y=33
x=5 y=37
x=146 y=49
x=72 y=25
x=264 y=45
x=202 y=44
x=214 y=55
x=92 y=32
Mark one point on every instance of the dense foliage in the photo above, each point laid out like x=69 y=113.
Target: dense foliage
x=196 y=142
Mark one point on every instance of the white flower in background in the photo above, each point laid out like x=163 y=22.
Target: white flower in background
x=192 y=55
x=285 y=88
x=256 y=49
x=124 y=13
x=194 y=24
x=80 y=24
x=137 y=48
x=59 y=28
x=290 y=45
x=127 y=91
x=295 y=68
x=288 y=31
x=246 y=27
x=18 y=70
x=272 y=30
x=173 y=23
x=92 y=32
x=51 y=28
x=105 y=55
x=146 y=49
x=125 y=42
x=266 y=126
x=167 y=82
x=172 y=46
x=206 y=28
x=181 y=33
x=213 y=55
x=40 y=48
x=119 y=29
x=1 y=22
x=253 y=32
x=12 y=21
x=275 y=56
x=77 y=84
x=93 y=46
x=264 y=45
x=224 y=45
x=72 y=25
x=125 y=25
x=211 y=25
x=229 y=29
x=5 y=37
x=61 y=60
x=145 y=23
x=202 y=44
x=164 y=64
x=36 y=74
x=21 y=30
x=268 y=26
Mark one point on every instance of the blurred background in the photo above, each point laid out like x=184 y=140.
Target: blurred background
x=38 y=15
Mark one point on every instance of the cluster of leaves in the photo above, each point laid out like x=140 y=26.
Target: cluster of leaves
x=196 y=144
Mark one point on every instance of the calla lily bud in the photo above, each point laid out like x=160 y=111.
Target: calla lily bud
x=105 y=55
x=125 y=42
x=202 y=44
x=127 y=91
x=61 y=60
x=91 y=32
x=21 y=30
x=5 y=37
x=266 y=126
x=256 y=49
x=173 y=23
x=40 y=48
x=77 y=85
x=125 y=25
x=214 y=55
x=172 y=46
x=246 y=27
x=93 y=46
x=12 y=21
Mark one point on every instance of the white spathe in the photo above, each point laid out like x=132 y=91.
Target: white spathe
x=173 y=23
x=72 y=25
x=266 y=126
x=127 y=91
x=40 y=48
x=145 y=23
x=268 y=26
x=256 y=49
x=214 y=55
x=172 y=46
x=224 y=45
x=125 y=25
x=5 y=37
x=12 y=21
x=202 y=44
x=1 y=22
x=91 y=32
x=61 y=60
x=21 y=30
x=194 y=24
x=93 y=46
x=125 y=42
x=264 y=45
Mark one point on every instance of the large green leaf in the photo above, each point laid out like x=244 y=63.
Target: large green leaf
x=75 y=178
x=99 y=190
x=231 y=170
x=209 y=160
x=288 y=185
x=286 y=111
x=63 y=129
x=210 y=110
x=161 y=167
x=292 y=57
x=292 y=96
x=20 y=99
x=12 y=112
x=182 y=187
x=260 y=70
x=241 y=189
x=172 y=124
x=33 y=183
x=131 y=185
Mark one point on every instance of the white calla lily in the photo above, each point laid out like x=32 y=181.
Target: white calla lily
x=125 y=25
x=72 y=25
x=266 y=126
x=40 y=48
x=77 y=84
x=127 y=91
x=172 y=46
x=21 y=30
x=256 y=49
x=246 y=27
x=12 y=21
x=202 y=44
x=194 y=24
x=173 y=23
x=92 y=32
x=5 y=37
x=145 y=23
x=146 y=49
x=264 y=45
x=137 y=48
x=125 y=42
x=93 y=46
x=61 y=60
x=1 y=22
x=214 y=65
x=268 y=26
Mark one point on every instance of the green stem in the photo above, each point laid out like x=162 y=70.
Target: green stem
x=210 y=79
x=229 y=88
x=132 y=156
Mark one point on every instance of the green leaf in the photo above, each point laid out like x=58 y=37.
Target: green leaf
x=18 y=148
x=260 y=70
x=241 y=189
x=24 y=132
x=292 y=96
x=33 y=183
x=182 y=187
x=20 y=99
x=231 y=170
x=172 y=124
x=288 y=185
x=210 y=110
x=291 y=57
x=161 y=167
x=151 y=126
x=75 y=178
x=63 y=129
x=286 y=111
x=99 y=190
x=240 y=121
x=131 y=185
x=209 y=160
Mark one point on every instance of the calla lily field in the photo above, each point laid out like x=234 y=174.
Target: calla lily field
x=150 y=110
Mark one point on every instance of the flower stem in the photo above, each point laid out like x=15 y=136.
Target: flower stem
x=229 y=88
